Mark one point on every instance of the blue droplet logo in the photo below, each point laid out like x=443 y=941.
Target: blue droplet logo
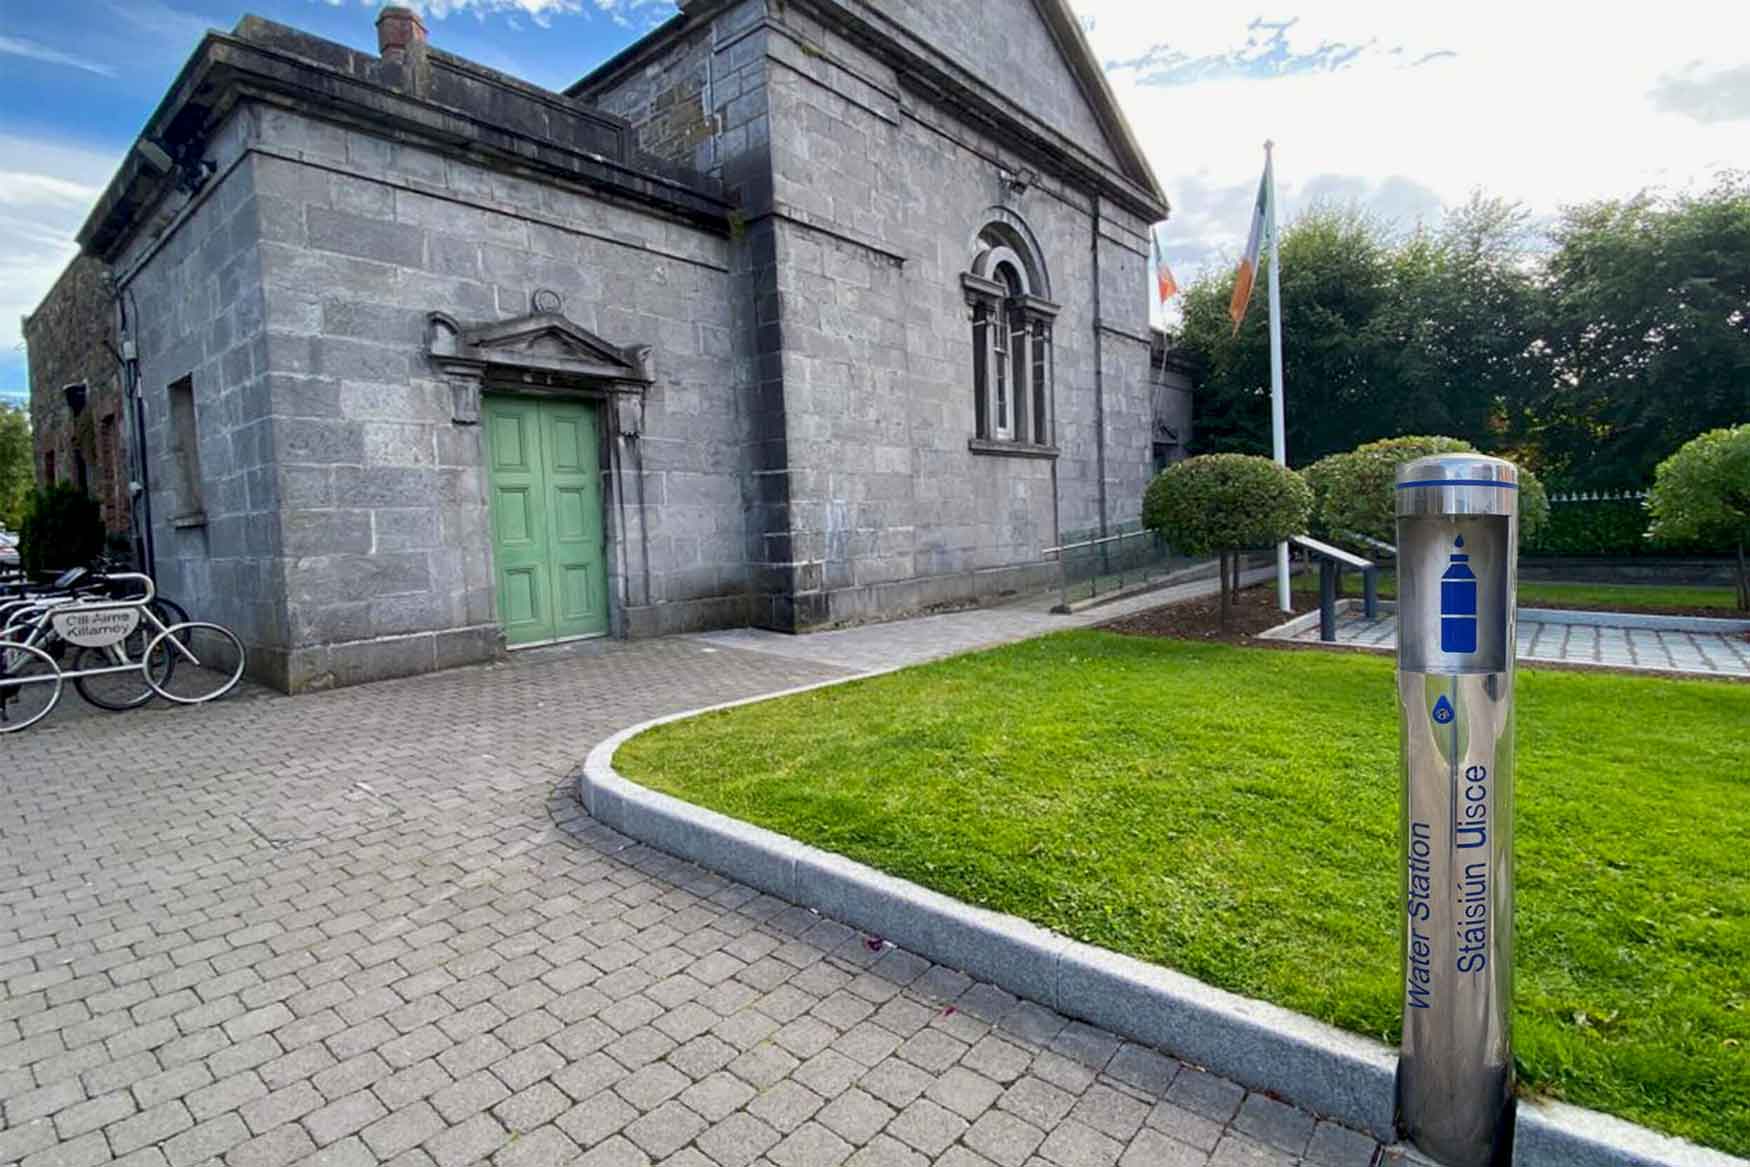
x=1443 y=712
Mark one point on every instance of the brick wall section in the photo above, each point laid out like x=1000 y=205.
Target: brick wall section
x=384 y=497
x=198 y=312
x=670 y=101
x=65 y=337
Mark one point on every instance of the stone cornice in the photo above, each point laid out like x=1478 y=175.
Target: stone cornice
x=512 y=126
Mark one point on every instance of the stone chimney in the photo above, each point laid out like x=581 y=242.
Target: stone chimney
x=401 y=44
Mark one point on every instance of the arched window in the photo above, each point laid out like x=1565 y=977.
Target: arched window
x=1011 y=345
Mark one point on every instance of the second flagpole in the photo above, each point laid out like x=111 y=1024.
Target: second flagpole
x=1278 y=428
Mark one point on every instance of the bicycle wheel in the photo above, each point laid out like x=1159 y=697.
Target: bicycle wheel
x=119 y=692
x=169 y=611
x=30 y=684
x=208 y=663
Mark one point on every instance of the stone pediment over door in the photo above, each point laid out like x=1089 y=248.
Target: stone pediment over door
x=543 y=352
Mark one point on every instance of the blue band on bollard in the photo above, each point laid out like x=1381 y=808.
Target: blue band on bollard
x=1458 y=482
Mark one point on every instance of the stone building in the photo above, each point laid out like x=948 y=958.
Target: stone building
x=77 y=417
x=796 y=312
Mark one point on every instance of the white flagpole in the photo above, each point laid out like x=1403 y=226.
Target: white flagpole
x=1279 y=430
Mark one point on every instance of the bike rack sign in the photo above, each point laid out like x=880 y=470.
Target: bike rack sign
x=97 y=627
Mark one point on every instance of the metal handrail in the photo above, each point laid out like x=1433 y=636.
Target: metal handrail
x=1122 y=535
x=1378 y=545
x=1346 y=558
x=1332 y=561
x=1106 y=545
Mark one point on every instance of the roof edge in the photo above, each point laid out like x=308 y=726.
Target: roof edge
x=268 y=62
x=1078 y=53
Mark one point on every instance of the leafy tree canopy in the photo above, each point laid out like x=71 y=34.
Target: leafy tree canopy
x=17 y=469
x=1701 y=494
x=1588 y=352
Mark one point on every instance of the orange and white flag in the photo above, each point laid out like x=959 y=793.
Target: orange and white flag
x=1164 y=281
x=1248 y=273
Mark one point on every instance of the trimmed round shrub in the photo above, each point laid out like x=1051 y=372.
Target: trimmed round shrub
x=1219 y=503
x=62 y=528
x=1354 y=493
x=1701 y=496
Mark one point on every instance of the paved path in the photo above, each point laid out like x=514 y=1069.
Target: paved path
x=1707 y=653
x=374 y=926
x=868 y=647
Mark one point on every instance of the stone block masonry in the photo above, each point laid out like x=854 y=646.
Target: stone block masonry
x=745 y=241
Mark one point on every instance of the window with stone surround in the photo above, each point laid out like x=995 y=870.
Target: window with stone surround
x=1011 y=346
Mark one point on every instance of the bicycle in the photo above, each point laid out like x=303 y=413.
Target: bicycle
x=209 y=656
x=96 y=687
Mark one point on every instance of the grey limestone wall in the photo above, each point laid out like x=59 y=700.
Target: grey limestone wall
x=1008 y=46
x=878 y=197
x=194 y=290
x=388 y=556
x=1126 y=348
x=724 y=60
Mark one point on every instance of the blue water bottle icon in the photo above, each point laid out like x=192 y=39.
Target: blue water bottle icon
x=1458 y=604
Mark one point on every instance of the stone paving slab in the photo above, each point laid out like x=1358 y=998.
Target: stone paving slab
x=374 y=926
x=1721 y=654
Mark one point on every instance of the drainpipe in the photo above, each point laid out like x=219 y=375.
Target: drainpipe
x=1099 y=377
x=139 y=505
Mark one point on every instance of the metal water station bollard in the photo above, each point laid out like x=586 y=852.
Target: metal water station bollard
x=1458 y=535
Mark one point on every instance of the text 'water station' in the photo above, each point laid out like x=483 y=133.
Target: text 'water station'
x=1457 y=517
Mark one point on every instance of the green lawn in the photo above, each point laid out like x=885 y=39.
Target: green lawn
x=1231 y=812
x=1623 y=597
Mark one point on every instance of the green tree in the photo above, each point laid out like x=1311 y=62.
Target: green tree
x=1437 y=331
x=62 y=528
x=1336 y=269
x=1223 y=504
x=1701 y=494
x=1355 y=493
x=1650 y=332
x=1461 y=349
x=17 y=465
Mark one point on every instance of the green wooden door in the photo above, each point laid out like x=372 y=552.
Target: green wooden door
x=546 y=518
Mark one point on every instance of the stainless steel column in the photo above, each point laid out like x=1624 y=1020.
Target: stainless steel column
x=1458 y=535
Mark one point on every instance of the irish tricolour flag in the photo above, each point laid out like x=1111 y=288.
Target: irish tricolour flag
x=1165 y=284
x=1248 y=273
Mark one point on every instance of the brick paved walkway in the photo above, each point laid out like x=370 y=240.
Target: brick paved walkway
x=359 y=928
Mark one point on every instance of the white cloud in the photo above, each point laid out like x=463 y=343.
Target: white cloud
x=1409 y=107
x=46 y=191
x=19 y=46
x=22 y=189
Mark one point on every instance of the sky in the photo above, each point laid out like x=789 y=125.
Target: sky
x=1405 y=108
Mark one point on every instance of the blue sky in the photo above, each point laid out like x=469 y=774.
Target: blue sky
x=78 y=78
x=1403 y=108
